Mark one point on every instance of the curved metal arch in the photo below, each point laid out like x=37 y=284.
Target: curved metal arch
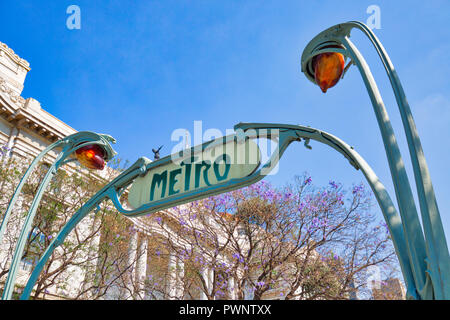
x=287 y=135
x=434 y=232
x=69 y=145
x=422 y=256
x=120 y=182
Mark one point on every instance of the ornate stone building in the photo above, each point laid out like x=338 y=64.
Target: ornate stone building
x=25 y=128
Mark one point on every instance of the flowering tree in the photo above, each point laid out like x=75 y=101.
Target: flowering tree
x=259 y=242
x=299 y=242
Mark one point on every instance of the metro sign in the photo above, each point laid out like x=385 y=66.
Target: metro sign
x=215 y=167
x=196 y=171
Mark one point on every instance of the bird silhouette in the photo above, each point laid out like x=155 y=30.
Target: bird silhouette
x=156 y=152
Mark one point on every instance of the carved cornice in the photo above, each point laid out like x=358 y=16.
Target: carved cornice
x=14 y=57
x=17 y=110
x=16 y=99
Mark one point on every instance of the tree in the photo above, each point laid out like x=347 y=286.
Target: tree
x=298 y=242
x=259 y=242
x=94 y=255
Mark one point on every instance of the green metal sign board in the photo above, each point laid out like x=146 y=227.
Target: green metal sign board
x=194 y=172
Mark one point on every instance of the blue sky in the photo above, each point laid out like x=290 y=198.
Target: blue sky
x=138 y=70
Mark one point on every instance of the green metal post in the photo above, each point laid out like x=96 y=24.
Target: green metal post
x=439 y=258
x=70 y=144
x=405 y=199
x=12 y=274
x=120 y=182
x=430 y=259
x=19 y=187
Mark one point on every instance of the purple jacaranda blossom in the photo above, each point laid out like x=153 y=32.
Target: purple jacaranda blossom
x=238 y=257
x=358 y=189
x=339 y=199
x=288 y=195
x=219 y=292
x=333 y=184
x=301 y=206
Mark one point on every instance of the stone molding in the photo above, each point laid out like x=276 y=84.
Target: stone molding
x=14 y=57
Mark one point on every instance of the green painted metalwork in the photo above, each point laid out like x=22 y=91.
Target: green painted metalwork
x=425 y=265
x=286 y=135
x=194 y=171
x=69 y=144
x=430 y=260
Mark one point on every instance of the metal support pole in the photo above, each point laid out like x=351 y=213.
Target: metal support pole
x=18 y=253
x=430 y=260
x=119 y=182
x=439 y=258
x=70 y=144
x=19 y=187
x=408 y=212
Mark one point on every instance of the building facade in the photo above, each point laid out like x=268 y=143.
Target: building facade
x=25 y=127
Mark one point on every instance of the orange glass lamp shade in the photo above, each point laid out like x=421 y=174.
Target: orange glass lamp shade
x=328 y=68
x=91 y=156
